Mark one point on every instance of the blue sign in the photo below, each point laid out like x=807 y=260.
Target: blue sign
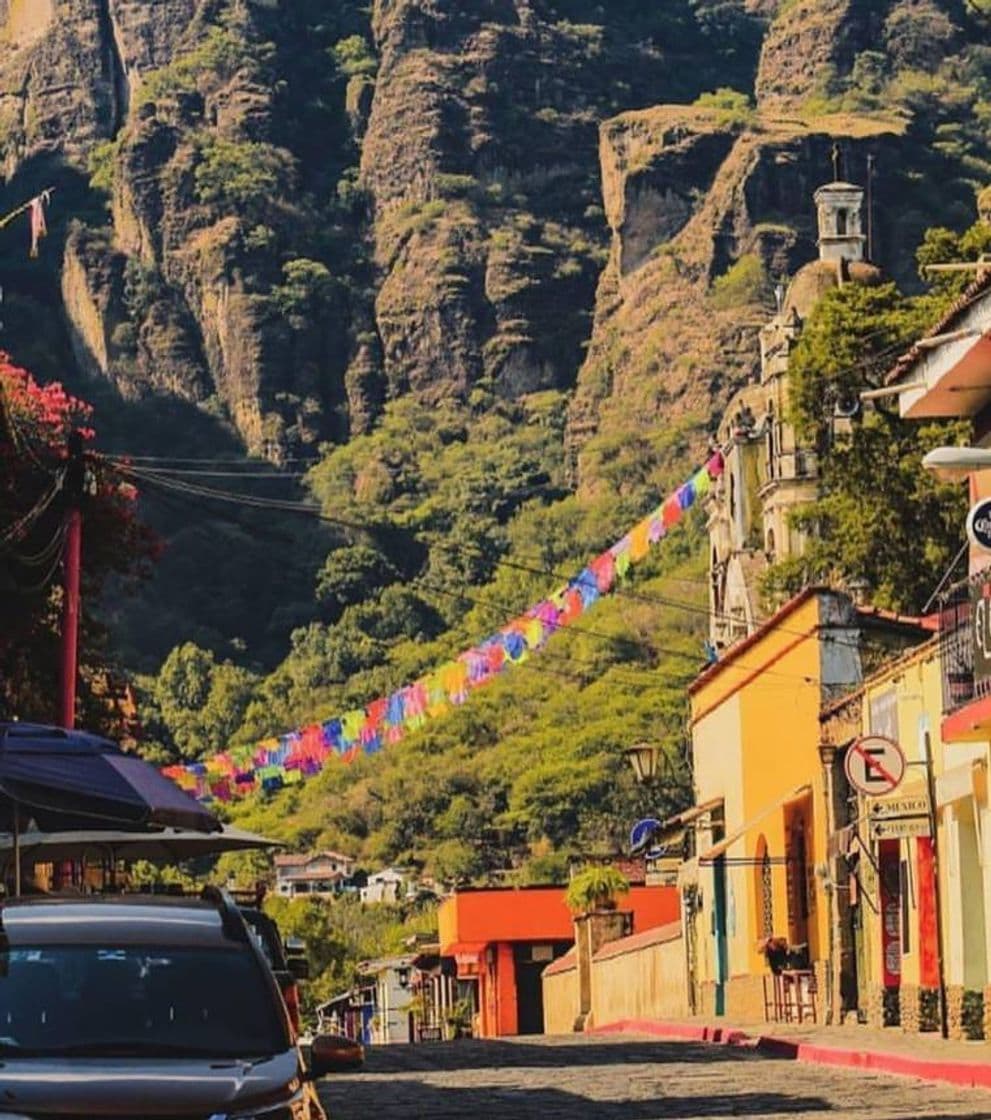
x=979 y=524
x=642 y=833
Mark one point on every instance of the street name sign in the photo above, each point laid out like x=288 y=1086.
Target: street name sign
x=898 y=828
x=874 y=765
x=901 y=807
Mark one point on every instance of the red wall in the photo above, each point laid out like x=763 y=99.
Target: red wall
x=539 y=914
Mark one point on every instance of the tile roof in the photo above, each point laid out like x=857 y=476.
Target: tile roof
x=972 y=294
x=659 y=935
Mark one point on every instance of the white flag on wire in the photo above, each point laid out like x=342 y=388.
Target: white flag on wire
x=36 y=213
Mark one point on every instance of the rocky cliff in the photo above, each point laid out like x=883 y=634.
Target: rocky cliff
x=314 y=207
x=279 y=214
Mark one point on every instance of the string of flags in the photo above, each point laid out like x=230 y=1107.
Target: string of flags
x=288 y=759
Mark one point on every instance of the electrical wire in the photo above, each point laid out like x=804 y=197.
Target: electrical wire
x=127 y=458
x=40 y=558
x=215 y=494
x=39 y=585
x=170 y=472
x=26 y=520
x=248 y=500
x=314 y=511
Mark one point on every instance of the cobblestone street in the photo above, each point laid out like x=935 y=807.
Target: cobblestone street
x=623 y=1079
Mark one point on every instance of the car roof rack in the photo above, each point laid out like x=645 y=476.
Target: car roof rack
x=230 y=918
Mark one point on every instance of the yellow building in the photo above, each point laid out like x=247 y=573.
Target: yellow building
x=948 y=375
x=761 y=824
x=911 y=899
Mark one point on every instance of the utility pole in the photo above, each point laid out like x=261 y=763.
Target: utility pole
x=74 y=482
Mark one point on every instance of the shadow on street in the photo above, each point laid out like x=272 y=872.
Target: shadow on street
x=584 y=1079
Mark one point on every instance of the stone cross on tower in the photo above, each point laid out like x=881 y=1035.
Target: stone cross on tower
x=837 y=162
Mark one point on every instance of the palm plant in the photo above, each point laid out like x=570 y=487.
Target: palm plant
x=596 y=888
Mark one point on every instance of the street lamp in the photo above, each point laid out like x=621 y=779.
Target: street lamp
x=951 y=464
x=644 y=758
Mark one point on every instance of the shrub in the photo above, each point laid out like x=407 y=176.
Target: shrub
x=742 y=283
x=595 y=888
x=354 y=56
x=101 y=165
x=972 y=1015
x=732 y=106
x=306 y=290
x=241 y=174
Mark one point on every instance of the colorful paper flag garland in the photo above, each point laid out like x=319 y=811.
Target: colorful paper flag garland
x=287 y=759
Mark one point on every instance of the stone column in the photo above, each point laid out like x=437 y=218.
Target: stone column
x=592 y=931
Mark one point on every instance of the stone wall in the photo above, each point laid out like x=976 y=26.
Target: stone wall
x=745 y=999
x=560 y=997
x=640 y=977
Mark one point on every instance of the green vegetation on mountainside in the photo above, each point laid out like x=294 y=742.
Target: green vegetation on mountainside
x=466 y=529
x=352 y=284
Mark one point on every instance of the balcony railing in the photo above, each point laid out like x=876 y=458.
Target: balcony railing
x=965 y=642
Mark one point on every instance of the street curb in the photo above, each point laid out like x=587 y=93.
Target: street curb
x=720 y=1036
x=973 y=1075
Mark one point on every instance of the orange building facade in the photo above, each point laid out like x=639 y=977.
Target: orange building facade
x=503 y=939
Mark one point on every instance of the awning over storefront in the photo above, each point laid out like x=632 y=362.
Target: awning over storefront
x=467 y=955
x=719 y=849
x=961 y=782
x=970 y=724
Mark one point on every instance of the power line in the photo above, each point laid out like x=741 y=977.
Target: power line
x=310 y=509
x=26 y=520
x=229 y=496
x=126 y=458
x=313 y=510
x=169 y=472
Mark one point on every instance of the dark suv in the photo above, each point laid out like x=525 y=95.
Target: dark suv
x=288 y=965
x=144 y=1007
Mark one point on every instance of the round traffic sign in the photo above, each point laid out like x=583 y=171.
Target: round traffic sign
x=642 y=834
x=874 y=765
x=979 y=525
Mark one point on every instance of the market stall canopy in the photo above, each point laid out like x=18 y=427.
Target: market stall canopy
x=168 y=846
x=72 y=779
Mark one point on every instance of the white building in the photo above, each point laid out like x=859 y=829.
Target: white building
x=312 y=873
x=393 y=1021
x=388 y=885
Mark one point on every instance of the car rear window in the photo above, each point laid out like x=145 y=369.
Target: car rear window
x=138 y=999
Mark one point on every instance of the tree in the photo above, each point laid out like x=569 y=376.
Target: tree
x=880 y=516
x=35 y=422
x=200 y=702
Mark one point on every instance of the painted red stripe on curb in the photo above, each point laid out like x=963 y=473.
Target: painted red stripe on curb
x=974 y=1075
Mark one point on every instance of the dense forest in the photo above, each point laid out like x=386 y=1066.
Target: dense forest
x=474 y=279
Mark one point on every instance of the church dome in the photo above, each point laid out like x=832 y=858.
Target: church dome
x=815 y=279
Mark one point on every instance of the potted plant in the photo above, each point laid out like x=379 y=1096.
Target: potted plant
x=775 y=950
x=596 y=888
x=458 y=1020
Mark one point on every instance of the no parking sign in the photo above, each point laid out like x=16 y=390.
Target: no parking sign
x=874 y=765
